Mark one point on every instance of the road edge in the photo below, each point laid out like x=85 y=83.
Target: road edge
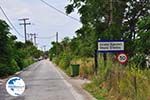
x=76 y=87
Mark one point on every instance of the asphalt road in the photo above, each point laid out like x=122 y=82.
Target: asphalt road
x=43 y=82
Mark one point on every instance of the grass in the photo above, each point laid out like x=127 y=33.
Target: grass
x=86 y=66
x=114 y=81
x=96 y=91
x=118 y=82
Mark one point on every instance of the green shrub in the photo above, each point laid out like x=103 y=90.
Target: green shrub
x=14 y=66
x=4 y=71
x=139 y=60
x=68 y=71
x=9 y=70
x=27 y=62
x=20 y=63
x=65 y=60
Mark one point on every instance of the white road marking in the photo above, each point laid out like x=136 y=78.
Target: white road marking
x=76 y=95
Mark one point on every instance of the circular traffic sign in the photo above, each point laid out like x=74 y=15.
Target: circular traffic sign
x=122 y=58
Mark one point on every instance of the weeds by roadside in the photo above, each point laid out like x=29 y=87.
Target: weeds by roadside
x=114 y=81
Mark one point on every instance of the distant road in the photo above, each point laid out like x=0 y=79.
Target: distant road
x=43 y=82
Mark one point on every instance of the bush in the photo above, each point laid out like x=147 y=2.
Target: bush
x=4 y=71
x=123 y=83
x=14 y=66
x=9 y=70
x=139 y=60
x=27 y=62
x=20 y=63
x=14 y=56
x=65 y=60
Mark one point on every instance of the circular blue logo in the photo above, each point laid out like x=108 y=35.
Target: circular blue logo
x=15 y=86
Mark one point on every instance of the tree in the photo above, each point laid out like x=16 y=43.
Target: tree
x=142 y=42
x=8 y=65
x=101 y=19
x=5 y=48
x=143 y=36
x=135 y=11
x=110 y=19
x=14 y=55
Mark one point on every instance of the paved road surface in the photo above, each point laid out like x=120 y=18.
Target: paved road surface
x=43 y=82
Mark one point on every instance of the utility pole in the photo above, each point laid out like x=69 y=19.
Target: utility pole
x=25 y=26
x=57 y=44
x=44 y=46
x=35 y=37
x=31 y=35
x=57 y=37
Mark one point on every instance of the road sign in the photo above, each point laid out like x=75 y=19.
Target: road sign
x=122 y=58
x=110 y=45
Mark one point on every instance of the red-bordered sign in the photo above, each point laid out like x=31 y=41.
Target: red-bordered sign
x=122 y=58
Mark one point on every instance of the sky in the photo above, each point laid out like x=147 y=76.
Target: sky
x=44 y=20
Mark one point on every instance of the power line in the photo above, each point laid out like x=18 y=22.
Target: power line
x=11 y=22
x=46 y=37
x=59 y=10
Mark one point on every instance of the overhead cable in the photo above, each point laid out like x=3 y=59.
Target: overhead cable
x=51 y=6
x=12 y=26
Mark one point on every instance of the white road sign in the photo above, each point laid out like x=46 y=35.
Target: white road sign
x=110 y=46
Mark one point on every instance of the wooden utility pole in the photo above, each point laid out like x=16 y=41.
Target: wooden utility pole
x=25 y=26
x=35 y=37
x=56 y=43
x=44 y=46
x=57 y=37
x=31 y=35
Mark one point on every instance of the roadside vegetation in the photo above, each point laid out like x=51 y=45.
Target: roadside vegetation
x=14 y=55
x=127 y=20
